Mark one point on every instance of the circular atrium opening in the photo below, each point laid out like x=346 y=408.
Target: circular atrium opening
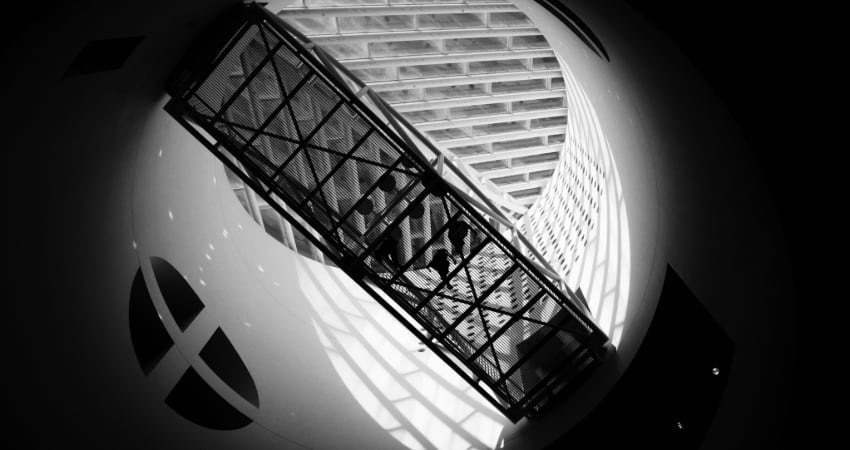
x=480 y=94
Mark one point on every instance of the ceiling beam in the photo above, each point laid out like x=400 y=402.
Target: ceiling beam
x=424 y=105
x=508 y=154
x=398 y=36
x=527 y=168
x=418 y=83
x=397 y=10
x=527 y=201
x=499 y=137
x=444 y=58
x=490 y=119
x=513 y=187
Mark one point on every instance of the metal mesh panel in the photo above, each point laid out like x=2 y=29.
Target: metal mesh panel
x=484 y=323
x=448 y=307
x=276 y=144
x=487 y=364
x=214 y=87
x=264 y=86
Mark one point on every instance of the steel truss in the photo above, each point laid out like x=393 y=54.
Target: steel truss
x=387 y=207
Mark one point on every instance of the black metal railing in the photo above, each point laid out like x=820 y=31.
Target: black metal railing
x=386 y=207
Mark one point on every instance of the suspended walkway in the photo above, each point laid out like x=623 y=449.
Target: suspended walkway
x=387 y=207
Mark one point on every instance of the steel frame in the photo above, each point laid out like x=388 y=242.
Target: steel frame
x=205 y=102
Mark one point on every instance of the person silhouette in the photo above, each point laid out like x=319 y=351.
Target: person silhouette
x=388 y=248
x=440 y=263
x=458 y=231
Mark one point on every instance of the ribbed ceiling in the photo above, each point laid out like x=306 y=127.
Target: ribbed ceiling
x=475 y=76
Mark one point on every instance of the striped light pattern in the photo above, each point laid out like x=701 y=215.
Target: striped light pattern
x=475 y=76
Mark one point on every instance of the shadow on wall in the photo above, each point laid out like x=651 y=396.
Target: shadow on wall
x=405 y=388
x=604 y=270
x=580 y=222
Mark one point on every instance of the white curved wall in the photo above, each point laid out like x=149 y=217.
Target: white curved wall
x=580 y=222
x=331 y=366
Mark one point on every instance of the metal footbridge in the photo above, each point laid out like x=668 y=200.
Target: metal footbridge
x=387 y=207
